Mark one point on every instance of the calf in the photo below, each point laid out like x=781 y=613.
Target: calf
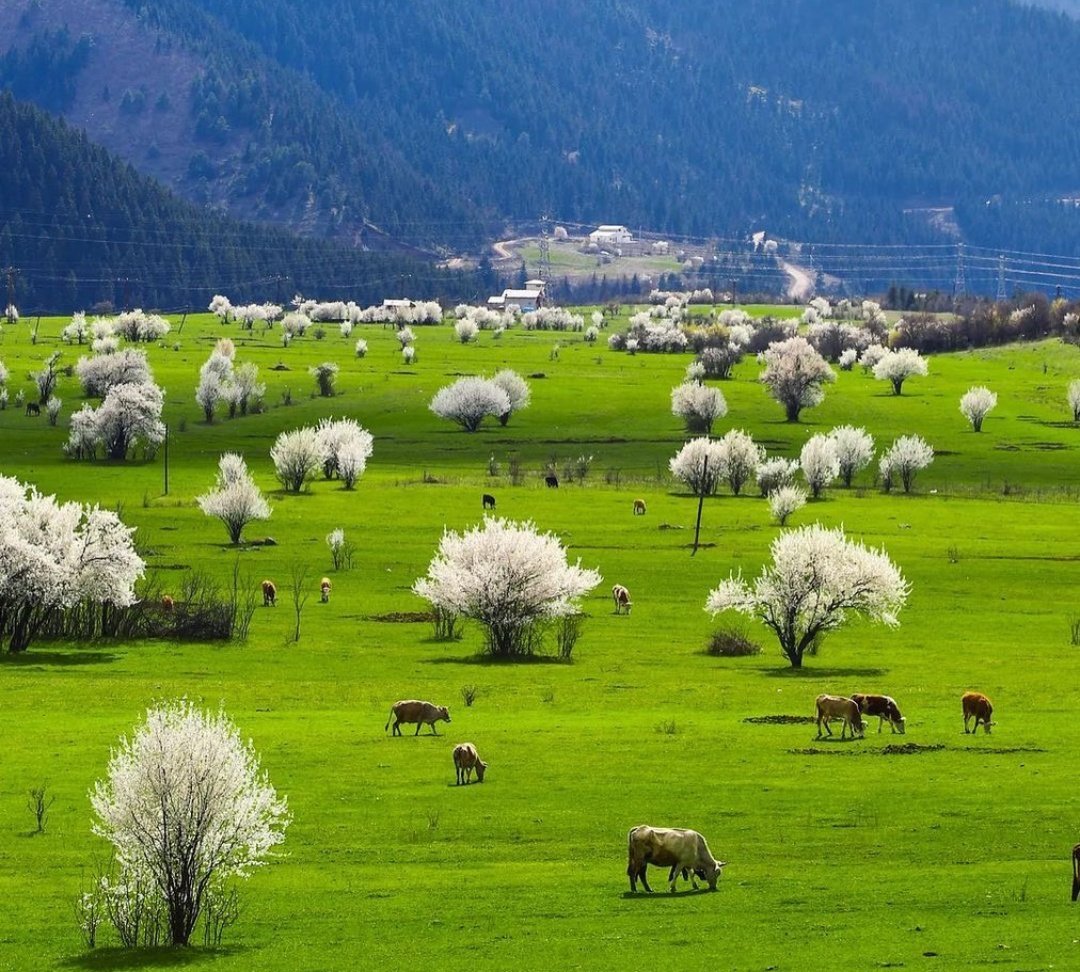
x=831 y=707
x=1076 y=872
x=324 y=589
x=466 y=759
x=489 y=501
x=422 y=713
x=639 y=507
x=33 y=408
x=269 y=593
x=551 y=481
x=977 y=706
x=621 y=596
x=167 y=604
x=884 y=707
x=681 y=850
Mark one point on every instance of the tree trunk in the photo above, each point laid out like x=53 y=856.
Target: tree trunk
x=793 y=410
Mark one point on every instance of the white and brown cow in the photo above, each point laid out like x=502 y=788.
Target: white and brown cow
x=977 y=706
x=884 y=707
x=681 y=850
x=621 y=596
x=1076 y=872
x=831 y=707
x=269 y=592
x=422 y=713
x=467 y=759
x=324 y=590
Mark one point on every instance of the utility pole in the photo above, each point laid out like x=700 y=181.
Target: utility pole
x=1001 y=295
x=960 y=284
x=166 y=460
x=11 y=273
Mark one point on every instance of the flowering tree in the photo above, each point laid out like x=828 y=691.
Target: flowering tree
x=297 y=456
x=325 y=375
x=344 y=448
x=898 y=366
x=466 y=330
x=517 y=390
x=699 y=466
x=509 y=577
x=738 y=459
x=1073 y=396
x=699 y=406
x=235 y=499
x=102 y=371
x=47 y=377
x=785 y=501
x=819 y=462
x=406 y=336
x=854 y=450
x=774 y=474
x=130 y=414
x=976 y=404
x=55 y=556
x=794 y=373
x=186 y=806
x=361 y=347
x=78 y=331
x=817 y=579
x=468 y=401
x=905 y=458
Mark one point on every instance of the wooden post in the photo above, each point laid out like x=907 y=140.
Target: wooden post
x=701 y=502
x=166 y=460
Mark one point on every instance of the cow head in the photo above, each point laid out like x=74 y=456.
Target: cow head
x=712 y=873
x=987 y=725
x=857 y=724
x=481 y=768
x=444 y=713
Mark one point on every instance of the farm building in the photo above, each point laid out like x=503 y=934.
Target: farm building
x=611 y=235
x=528 y=299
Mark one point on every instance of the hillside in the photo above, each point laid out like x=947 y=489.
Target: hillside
x=84 y=228
x=437 y=124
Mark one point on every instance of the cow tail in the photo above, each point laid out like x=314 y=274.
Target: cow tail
x=388 y=721
x=1076 y=872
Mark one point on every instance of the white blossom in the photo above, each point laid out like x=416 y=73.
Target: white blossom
x=186 y=804
x=1073 y=396
x=774 y=474
x=854 y=450
x=819 y=462
x=468 y=401
x=816 y=580
x=78 y=331
x=976 y=404
x=785 y=501
x=698 y=465
x=297 y=456
x=898 y=366
x=905 y=458
x=509 y=577
x=101 y=372
x=699 y=406
x=517 y=390
x=220 y=306
x=871 y=356
x=847 y=359
x=406 y=336
x=361 y=347
x=344 y=448
x=695 y=372
x=408 y=354
x=466 y=330
x=130 y=414
x=235 y=499
x=794 y=373
x=325 y=375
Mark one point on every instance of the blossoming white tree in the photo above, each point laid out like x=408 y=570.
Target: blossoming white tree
x=78 y=331
x=698 y=405
x=186 y=805
x=54 y=556
x=325 y=375
x=905 y=458
x=235 y=499
x=297 y=456
x=794 y=373
x=817 y=579
x=468 y=401
x=130 y=414
x=819 y=462
x=509 y=577
x=854 y=450
x=898 y=366
x=699 y=466
x=99 y=373
x=738 y=458
x=466 y=330
x=344 y=448
x=785 y=501
x=776 y=473
x=976 y=404
x=517 y=390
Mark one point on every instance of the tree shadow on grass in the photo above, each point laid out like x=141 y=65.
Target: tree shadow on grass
x=149 y=958
x=56 y=659
x=794 y=674
x=492 y=660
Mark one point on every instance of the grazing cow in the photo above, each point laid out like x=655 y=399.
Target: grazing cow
x=681 y=850
x=488 y=501
x=167 y=604
x=621 y=596
x=831 y=707
x=639 y=507
x=977 y=705
x=269 y=594
x=33 y=408
x=551 y=481
x=1076 y=872
x=884 y=707
x=467 y=759
x=422 y=713
x=324 y=589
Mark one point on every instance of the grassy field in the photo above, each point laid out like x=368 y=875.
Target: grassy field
x=951 y=856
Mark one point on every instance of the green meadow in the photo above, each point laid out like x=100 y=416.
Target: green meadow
x=952 y=852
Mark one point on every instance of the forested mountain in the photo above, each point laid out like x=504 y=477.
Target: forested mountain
x=440 y=123
x=83 y=228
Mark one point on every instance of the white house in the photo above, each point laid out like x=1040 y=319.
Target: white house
x=611 y=235
x=527 y=300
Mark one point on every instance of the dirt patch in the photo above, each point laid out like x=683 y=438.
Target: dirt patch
x=1006 y=750
x=670 y=526
x=814 y=751
x=909 y=749
x=780 y=720
x=401 y=617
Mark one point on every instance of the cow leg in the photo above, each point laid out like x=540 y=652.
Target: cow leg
x=881 y=719
x=418 y=725
x=1076 y=887
x=643 y=873
x=396 y=731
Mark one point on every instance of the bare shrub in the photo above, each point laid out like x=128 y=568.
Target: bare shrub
x=731 y=642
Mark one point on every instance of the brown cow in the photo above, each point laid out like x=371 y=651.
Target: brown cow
x=1076 y=872
x=467 y=759
x=324 y=589
x=422 y=713
x=269 y=593
x=837 y=707
x=681 y=850
x=621 y=596
x=167 y=604
x=882 y=706
x=639 y=507
x=977 y=706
